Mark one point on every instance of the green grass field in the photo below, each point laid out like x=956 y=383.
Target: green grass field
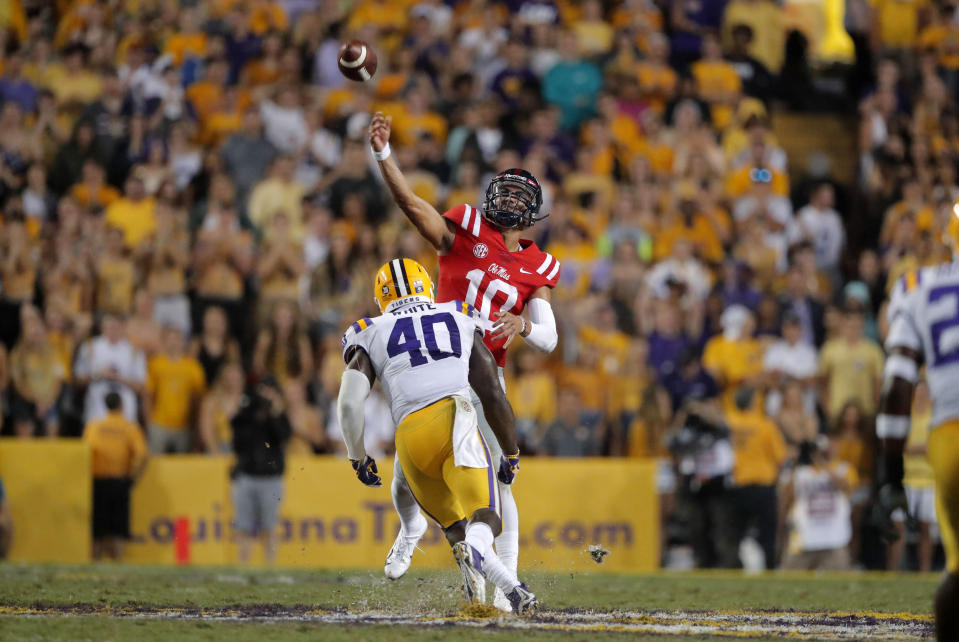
x=118 y=602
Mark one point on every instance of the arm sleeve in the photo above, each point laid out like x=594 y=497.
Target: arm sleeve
x=350 y=405
x=542 y=333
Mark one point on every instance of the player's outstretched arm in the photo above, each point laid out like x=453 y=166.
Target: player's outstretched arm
x=350 y=403
x=484 y=378
x=424 y=216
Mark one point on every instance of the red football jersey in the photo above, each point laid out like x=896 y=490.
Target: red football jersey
x=480 y=270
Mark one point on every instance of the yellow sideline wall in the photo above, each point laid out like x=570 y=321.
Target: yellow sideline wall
x=327 y=518
x=48 y=489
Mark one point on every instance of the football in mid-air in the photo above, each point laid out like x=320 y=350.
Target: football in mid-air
x=357 y=60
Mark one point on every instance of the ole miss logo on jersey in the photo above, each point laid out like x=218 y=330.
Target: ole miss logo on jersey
x=480 y=270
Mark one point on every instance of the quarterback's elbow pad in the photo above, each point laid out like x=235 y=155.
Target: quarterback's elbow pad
x=542 y=326
x=350 y=403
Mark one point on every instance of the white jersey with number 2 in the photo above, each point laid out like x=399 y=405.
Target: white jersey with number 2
x=924 y=316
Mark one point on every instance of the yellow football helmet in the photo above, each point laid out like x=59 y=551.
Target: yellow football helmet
x=402 y=279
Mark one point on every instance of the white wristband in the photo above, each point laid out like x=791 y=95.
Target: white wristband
x=381 y=155
x=899 y=365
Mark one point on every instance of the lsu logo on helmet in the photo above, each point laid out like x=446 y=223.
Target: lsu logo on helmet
x=401 y=279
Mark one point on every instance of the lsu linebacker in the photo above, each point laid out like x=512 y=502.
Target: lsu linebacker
x=485 y=262
x=924 y=329
x=427 y=356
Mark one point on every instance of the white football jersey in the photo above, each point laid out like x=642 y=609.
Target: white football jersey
x=924 y=316
x=420 y=352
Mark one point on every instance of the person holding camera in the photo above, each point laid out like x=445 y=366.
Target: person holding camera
x=703 y=455
x=261 y=429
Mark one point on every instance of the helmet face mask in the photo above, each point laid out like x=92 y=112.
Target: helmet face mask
x=513 y=199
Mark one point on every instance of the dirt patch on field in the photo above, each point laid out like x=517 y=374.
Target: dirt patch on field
x=735 y=624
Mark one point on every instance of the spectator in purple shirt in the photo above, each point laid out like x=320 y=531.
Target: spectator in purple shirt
x=689 y=380
x=516 y=76
x=16 y=88
x=667 y=341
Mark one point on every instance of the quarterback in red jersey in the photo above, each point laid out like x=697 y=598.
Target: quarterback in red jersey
x=484 y=261
x=481 y=270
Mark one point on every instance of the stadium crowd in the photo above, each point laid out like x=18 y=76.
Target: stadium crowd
x=188 y=199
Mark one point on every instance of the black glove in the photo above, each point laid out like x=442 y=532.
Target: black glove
x=508 y=467
x=366 y=471
x=891 y=498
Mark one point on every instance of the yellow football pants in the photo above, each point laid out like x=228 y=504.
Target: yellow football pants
x=446 y=492
x=944 y=458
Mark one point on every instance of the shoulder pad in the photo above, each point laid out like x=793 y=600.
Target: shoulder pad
x=362 y=324
x=548 y=268
x=349 y=337
x=468 y=218
x=465 y=308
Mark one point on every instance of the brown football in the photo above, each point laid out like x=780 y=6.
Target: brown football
x=357 y=60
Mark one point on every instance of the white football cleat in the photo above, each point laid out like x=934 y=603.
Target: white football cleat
x=522 y=600
x=399 y=558
x=501 y=602
x=469 y=563
x=480 y=583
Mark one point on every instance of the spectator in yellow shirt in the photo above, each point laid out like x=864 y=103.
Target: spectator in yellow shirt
x=175 y=386
x=73 y=83
x=93 y=190
x=116 y=276
x=610 y=342
x=205 y=95
x=280 y=264
x=657 y=80
x=899 y=22
x=38 y=376
x=690 y=224
x=734 y=357
x=188 y=41
x=119 y=455
x=759 y=454
x=280 y=192
x=767 y=21
x=593 y=33
x=386 y=16
x=222 y=260
x=851 y=365
x=719 y=84
x=416 y=118
x=134 y=213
